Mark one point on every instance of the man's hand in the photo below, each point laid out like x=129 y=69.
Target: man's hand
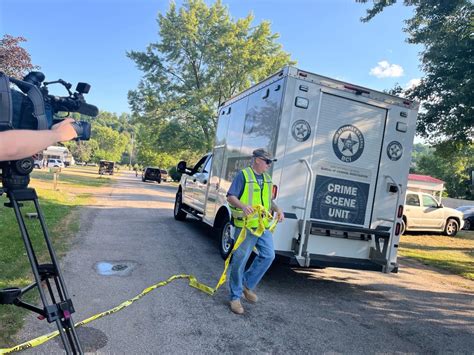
x=248 y=210
x=280 y=215
x=64 y=130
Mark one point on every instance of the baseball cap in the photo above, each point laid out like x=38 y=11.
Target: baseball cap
x=262 y=153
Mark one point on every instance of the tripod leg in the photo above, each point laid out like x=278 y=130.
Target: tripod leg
x=58 y=312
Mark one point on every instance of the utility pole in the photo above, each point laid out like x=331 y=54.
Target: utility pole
x=131 y=151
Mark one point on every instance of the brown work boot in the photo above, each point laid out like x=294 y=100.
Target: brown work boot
x=250 y=295
x=236 y=307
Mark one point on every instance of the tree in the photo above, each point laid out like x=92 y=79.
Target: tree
x=82 y=151
x=203 y=57
x=446 y=91
x=110 y=144
x=453 y=169
x=14 y=60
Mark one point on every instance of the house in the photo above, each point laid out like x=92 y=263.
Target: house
x=56 y=152
x=426 y=183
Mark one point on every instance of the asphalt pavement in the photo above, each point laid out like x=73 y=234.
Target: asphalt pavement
x=129 y=241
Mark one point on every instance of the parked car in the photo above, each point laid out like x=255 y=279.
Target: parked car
x=55 y=163
x=106 y=167
x=468 y=212
x=152 y=174
x=423 y=213
x=164 y=175
x=38 y=164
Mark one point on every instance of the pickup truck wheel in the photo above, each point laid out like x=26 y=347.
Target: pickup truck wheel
x=451 y=228
x=178 y=212
x=226 y=241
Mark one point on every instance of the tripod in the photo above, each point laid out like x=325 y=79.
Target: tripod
x=57 y=305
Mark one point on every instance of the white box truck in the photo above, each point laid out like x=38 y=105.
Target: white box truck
x=343 y=155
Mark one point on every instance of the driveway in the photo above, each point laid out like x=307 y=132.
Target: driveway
x=418 y=310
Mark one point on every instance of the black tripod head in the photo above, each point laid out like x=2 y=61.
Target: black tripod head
x=16 y=174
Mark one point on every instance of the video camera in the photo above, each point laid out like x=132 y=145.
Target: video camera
x=33 y=107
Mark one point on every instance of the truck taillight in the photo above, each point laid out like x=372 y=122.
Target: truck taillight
x=397 y=228
x=400 y=211
x=274 y=192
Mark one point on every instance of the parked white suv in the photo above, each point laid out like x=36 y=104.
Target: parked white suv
x=56 y=163
x=423 y=213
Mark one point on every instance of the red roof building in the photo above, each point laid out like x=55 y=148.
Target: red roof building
x=426 y=183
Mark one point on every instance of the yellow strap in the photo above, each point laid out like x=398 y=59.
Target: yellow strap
x=193 y=282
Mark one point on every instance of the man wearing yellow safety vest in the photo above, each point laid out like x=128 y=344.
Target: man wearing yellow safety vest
x=252 y=186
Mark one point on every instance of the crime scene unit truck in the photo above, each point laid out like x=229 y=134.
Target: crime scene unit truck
x=343 y=158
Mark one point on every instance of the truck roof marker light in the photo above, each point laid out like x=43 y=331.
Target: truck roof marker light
x=303 y=74
x=400 y=211
x=407 y=103
x=274 y=192
x=358 y=91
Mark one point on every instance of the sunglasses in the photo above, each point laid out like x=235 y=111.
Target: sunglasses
x=267 y=161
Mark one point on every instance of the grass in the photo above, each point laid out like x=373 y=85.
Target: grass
x=61 y=211
x=72 y=177
x=453 y=254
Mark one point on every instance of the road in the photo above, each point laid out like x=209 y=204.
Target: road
x=418 y=310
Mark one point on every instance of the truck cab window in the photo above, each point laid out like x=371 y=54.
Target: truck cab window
x=429 y=201
x=207 y=167
x=413 y=200
x=199 y=167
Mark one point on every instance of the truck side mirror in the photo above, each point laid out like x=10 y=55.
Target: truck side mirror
x=181 y=167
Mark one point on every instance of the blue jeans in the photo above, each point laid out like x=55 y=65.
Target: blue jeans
x=238 y=277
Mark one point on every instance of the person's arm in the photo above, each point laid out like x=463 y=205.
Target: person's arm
x=234 y=201
x=278 y=211
x=19 y=144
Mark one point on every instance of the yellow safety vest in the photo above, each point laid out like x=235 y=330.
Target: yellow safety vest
x=253 y=195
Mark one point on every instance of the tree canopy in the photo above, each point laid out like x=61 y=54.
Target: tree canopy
x=444 y=28
x=202 y=58
x=15 y=61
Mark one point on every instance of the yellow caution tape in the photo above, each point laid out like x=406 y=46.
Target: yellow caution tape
x=193 y=282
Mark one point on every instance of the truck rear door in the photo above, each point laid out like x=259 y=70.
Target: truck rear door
x=348 y=144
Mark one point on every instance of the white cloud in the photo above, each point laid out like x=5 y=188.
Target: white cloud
x=386 y=70
x=412 y=83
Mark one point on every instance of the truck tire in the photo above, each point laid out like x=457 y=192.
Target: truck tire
x=451 y=228
x=178 y=212
x=225 y=237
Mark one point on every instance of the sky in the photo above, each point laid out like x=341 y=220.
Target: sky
x=87 y=40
